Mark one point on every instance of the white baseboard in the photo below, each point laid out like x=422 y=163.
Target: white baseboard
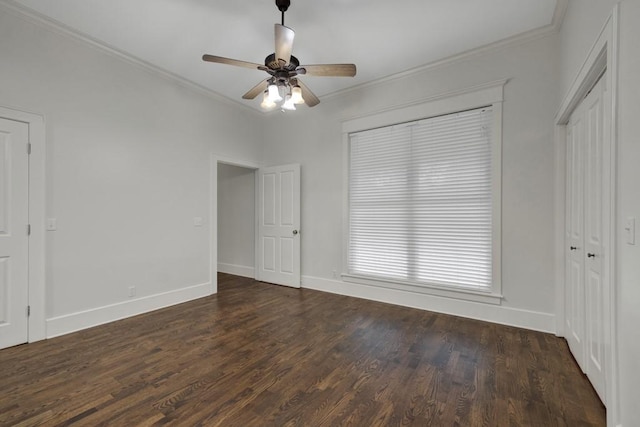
x=73 y=322
x=237 y=270
x=538 y=321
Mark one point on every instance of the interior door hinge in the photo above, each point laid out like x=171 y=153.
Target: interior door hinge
x=28 y=229
x=28 y=310
x=29 y=148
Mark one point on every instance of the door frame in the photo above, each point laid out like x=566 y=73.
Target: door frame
x=602 y=56
x=213 y=219
x=36 y=258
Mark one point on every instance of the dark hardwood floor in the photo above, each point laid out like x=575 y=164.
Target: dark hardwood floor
x=257 y=354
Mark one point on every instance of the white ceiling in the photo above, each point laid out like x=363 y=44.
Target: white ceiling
x=381 y=37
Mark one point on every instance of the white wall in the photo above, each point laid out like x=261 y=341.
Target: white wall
x=128 y=169
x=528 y=221
x=629 y=206
x=580 y=28
x=584 y=20
x=236 y=220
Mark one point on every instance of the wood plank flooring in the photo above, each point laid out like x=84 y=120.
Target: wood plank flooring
x=263 y=355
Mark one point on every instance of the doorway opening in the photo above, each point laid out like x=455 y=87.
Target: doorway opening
x=236 y=212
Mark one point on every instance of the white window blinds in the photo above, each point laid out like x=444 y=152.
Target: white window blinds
x=420 y=202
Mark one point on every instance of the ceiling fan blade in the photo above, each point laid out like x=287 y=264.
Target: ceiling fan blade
x=237 y=63
x=309 y=97
x=256 y=90
x=328 y=70
x=284 y=42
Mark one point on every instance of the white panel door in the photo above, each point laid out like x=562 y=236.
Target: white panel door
x=596 y=291
x=574 y=269
x=279 y=225
x=14 y=214
x=586 y=290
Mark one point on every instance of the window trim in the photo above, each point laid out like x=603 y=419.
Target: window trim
x=492 y=94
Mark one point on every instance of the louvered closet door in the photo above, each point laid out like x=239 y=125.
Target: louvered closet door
x=586 y=290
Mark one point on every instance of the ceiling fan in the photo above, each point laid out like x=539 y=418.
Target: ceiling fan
x=284 y=69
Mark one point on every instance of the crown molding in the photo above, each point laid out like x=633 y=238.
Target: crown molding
x=515 y=40
x=559 y=13
x=59 y=28
x=39 y=19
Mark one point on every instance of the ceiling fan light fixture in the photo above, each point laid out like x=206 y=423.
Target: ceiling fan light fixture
x=288 y=103
x=274 y=93
x=266 y=103
x=296 y=95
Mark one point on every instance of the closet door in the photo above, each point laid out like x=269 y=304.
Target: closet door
x=586 y=290
x=574 y=214
x=596 y=292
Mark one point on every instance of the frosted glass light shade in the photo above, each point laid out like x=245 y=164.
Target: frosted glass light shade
x=274 y=93
x=296 y=95
x=288 y=103
x=266 y=103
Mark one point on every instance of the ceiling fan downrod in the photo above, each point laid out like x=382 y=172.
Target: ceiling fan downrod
x=283 y=5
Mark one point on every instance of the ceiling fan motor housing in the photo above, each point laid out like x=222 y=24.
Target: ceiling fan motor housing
x=273 y=64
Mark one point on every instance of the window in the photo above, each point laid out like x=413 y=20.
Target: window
x=422 y=204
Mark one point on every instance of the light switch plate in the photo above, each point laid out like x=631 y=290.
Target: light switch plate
x=52 y=224
x=197 y=221
x=630 y=228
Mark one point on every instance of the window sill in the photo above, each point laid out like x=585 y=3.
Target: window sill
x=441 y=291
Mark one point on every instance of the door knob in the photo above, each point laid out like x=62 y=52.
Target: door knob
x=590 y=255
x=573 y=248
x=295 y=232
